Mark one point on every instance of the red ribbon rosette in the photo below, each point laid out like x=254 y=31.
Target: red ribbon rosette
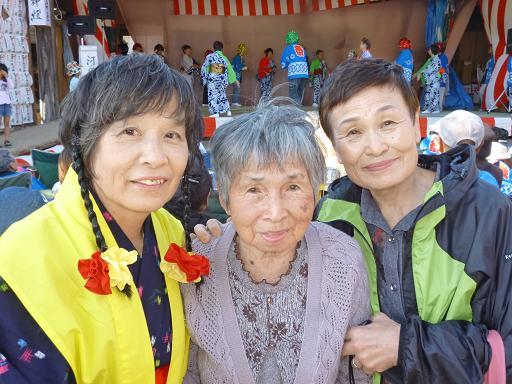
x=183 y=266
x=95 y=271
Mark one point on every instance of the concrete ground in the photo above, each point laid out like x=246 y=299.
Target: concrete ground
x=41 y=136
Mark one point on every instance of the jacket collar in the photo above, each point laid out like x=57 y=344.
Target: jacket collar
x=457 y=170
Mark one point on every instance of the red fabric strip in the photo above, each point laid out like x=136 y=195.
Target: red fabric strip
x=176 y=7
x=328 y=4
x=252 y=8
x=316 y=6
x=239 y=8
x=264 y=7
x=227 y=8
x=161 y=374
x=213 y=4
x=303 y=6
x=188 y=7
x=289 y=6
x=277 y=7
x=200 y=7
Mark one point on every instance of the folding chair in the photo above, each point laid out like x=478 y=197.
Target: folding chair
x=47 y=165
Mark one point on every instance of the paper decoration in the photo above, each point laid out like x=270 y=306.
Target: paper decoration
x=39 y=13
x=14 y=53
x=88 y=58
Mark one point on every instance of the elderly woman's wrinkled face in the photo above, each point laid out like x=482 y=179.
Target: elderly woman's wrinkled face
x=138 y=163
x=375 y=138
x=271 y=208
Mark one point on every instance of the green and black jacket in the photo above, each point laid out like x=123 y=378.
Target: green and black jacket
x=457 y=271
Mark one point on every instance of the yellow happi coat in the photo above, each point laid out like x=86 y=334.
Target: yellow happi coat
x=104 y=338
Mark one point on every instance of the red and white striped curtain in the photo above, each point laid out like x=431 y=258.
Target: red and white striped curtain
x=99 y=39
x=258 y=7
x=497 y=15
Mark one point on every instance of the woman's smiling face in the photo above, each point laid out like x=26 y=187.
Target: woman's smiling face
x=272 y=207
x=138 y=163
x=375 y=138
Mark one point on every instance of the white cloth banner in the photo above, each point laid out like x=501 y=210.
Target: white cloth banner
x=88 y=57
x=39 y=13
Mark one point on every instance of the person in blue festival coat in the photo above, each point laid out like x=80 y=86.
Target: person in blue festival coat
x=430 y=76
x=405 y=58
x=239 y=67
x=445 y=78
x=294 y=59
x=489 y=68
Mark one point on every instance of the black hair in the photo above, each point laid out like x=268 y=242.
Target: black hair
x=3 y=67
x=352 y=77
x=218 y=46
x=319 y=51
x=108 y=94
x=185 y=47
x=485 y=148
x=267 y=51
x=158 y=47
x=434 y=49
x=366 y=42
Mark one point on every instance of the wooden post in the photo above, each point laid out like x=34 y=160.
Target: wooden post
x=48 y=83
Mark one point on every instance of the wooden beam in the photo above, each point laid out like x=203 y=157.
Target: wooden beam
x=47 y=65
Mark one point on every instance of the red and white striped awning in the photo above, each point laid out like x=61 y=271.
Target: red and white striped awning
x=258 y=7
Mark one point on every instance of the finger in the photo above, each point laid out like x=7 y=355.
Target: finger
x=348 y=349
x=213 y=226
x=379 y=316
x=202 y=233
x=368 y=371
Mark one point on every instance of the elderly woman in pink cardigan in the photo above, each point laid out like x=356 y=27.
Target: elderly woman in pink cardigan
x=282 y=290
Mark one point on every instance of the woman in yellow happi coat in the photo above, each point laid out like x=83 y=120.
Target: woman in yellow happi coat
x=89 y=283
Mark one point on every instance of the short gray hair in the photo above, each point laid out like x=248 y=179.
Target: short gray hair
x=275 y=133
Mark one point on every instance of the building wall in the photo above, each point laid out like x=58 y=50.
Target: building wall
x=335 y=31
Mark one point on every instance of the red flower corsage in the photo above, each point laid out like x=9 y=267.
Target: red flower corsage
x=95 y=271
x=106 y=270
x=183 y=266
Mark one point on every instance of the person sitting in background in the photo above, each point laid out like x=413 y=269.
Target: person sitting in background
x=500 y=157
x=8 y=168
x=159 y=51
x=484 y=152
x=365 y=47
x=137 y=47
x=463 y=127
x=200 y=187
x=65 y=161
x=73 y=70
x=7 y=163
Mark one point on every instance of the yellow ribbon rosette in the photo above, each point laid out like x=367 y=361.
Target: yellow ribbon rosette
x=118 y=260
